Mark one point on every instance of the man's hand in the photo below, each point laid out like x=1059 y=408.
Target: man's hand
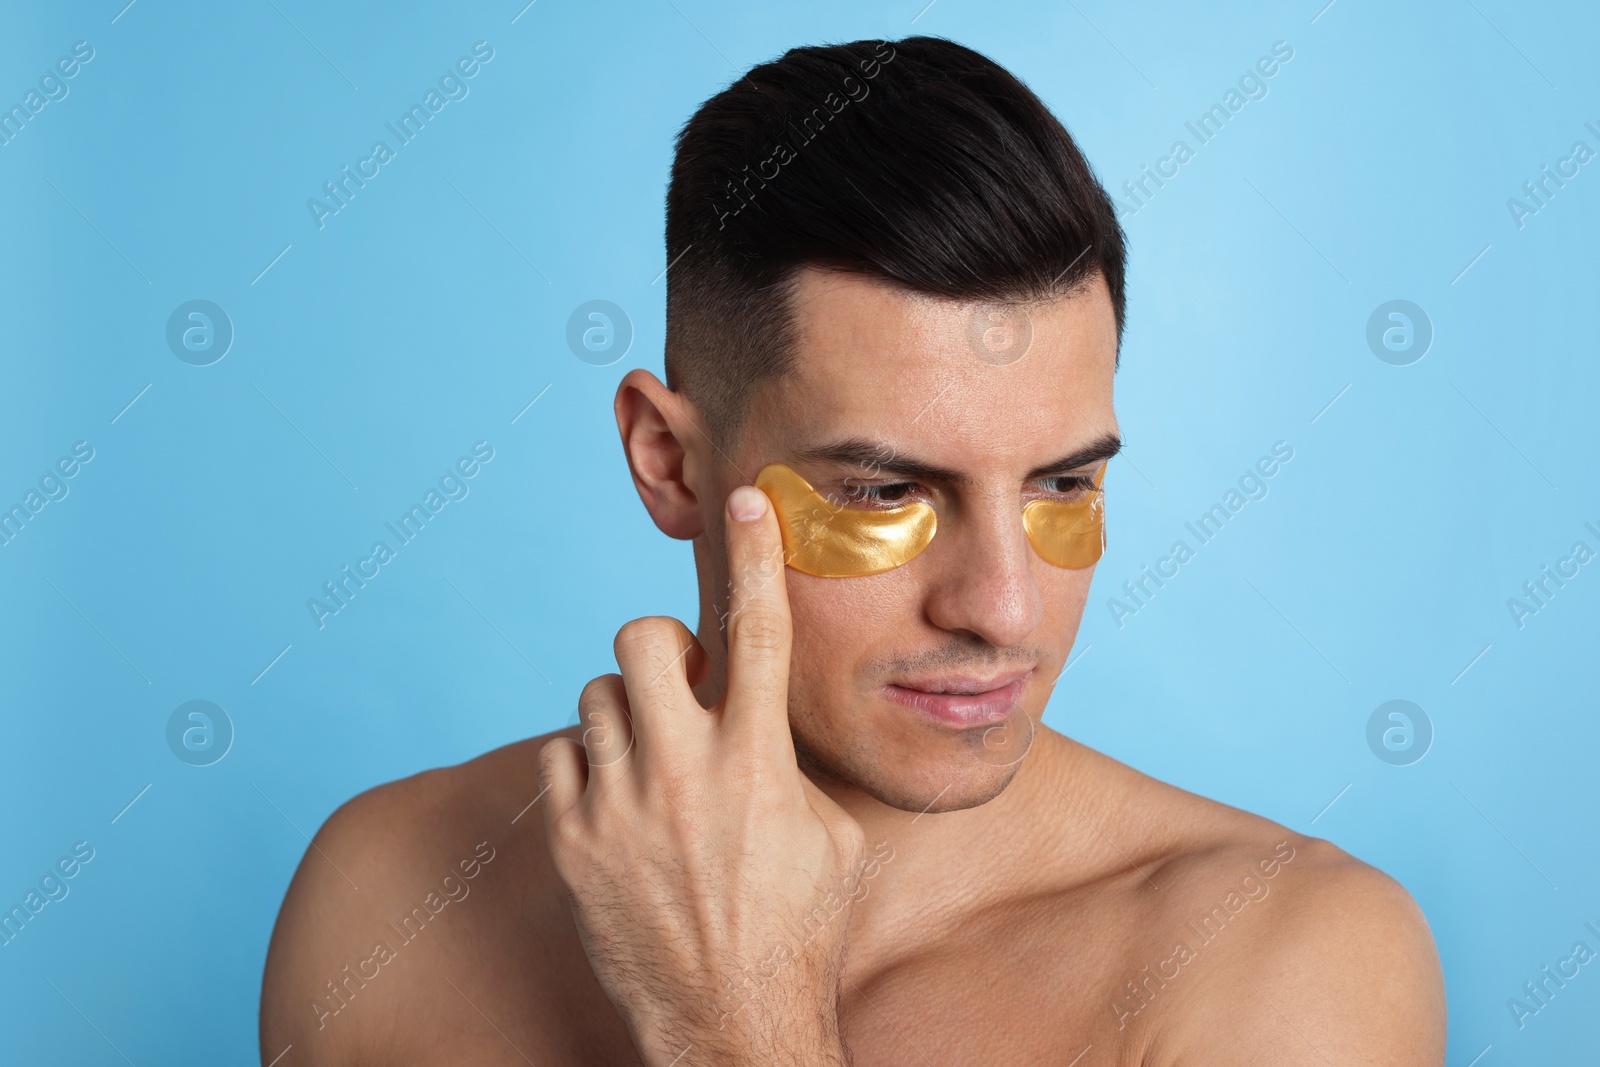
x=709 y=877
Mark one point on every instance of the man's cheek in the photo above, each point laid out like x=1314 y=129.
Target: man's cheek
x=1065 y=592
x=815 y=672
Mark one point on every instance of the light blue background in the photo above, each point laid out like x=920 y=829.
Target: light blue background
x=431 y=310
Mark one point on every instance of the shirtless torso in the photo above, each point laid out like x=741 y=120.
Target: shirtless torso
x=1089 y=915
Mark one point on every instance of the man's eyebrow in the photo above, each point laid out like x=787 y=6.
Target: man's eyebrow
x=879 y=457
x=1102 y=449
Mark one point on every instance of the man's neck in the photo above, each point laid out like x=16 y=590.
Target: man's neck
x=947 y=865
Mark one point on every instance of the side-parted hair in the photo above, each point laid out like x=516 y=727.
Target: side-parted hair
x=918 y=162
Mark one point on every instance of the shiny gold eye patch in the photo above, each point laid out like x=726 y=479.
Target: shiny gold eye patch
x=831 y=541
x=1069 y=533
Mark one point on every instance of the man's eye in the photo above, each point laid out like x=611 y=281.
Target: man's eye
x=893 y=494
x=1069 y=484
x=889 y=493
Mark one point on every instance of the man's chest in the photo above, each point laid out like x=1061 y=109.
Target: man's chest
x=989 y=1013
x=1021 y=1000
x=1020 y=988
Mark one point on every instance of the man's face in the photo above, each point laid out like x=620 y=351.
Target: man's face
x=923 y=382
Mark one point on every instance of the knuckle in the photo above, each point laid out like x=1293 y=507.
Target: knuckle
x=761 y=628
x=548 y=764
x=640 y=635
x=761 y=569
x=553 y=759
x=546 y=772
x=597 y=703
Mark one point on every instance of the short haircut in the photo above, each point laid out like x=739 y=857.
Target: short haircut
x=918 y=162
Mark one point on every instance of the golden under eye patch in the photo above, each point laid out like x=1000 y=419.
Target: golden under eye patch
x=830 y=541
x=1069 y=533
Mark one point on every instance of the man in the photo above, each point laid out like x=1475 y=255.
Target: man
x=828 y=825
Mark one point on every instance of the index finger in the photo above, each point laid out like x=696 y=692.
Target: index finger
x=759 y=630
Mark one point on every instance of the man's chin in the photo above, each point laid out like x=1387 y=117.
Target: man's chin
x=972 y=770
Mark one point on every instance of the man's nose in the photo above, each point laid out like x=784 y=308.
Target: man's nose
x=984 y=567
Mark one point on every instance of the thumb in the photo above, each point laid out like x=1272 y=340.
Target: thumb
x=759 y=627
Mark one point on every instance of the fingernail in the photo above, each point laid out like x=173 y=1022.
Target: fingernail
x=746 y=503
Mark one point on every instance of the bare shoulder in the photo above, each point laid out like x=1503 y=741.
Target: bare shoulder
x=1343 y=967
x=1274 y=947
x=377 y=919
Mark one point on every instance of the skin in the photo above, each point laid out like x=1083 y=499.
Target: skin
x=998 y=893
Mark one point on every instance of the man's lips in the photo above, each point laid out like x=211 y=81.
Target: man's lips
x=962 y=700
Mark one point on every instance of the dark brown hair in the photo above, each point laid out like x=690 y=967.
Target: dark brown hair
x=919 y=162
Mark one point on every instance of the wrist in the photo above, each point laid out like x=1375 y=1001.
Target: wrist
x=788 y=1050
x=756 y=1040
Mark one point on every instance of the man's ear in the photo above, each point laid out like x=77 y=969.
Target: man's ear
x=663 y=436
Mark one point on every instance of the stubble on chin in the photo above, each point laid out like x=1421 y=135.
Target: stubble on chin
x=866 y=773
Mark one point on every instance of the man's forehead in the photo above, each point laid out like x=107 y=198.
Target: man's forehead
x=904 y=373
